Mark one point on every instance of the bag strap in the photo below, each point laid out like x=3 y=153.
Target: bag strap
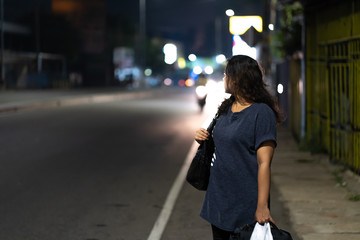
x=213 y=122
x=273 y=225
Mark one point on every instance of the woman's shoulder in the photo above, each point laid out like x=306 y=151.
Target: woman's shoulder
x=263 y=109
x=262 y=106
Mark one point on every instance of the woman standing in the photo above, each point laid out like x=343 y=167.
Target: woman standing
x=245 y=139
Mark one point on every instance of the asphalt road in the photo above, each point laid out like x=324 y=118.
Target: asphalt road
x=103 y=171
x=92 y=171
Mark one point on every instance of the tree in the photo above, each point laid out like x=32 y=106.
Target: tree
x=287 y=39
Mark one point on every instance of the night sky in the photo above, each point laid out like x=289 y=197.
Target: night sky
x=191 y=22
x=175 y=19
x=170 y=14
x=171 y=19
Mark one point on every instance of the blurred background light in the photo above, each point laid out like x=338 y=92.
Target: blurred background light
x=189 y=82
x=197 y=70
x=181 y=83
x=192 y=57
x=209 y=70
x=201 y=91
x=271 y=27
x=168 y=82
x=148 y=72
x=220 y=58
x=229 y=12
x=301 y=86
x=280 y=88
x=211 y=85
x=170 y=51
x=181 y=63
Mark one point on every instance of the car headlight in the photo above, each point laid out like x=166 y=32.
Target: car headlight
x=201 y=91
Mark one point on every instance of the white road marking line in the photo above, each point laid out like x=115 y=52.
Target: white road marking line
x=173 y=194
x=167 y=209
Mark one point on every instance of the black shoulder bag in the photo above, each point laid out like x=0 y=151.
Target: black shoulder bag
x=199 y=170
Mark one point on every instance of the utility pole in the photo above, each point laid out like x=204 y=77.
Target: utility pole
x=143 y=29
x=2 y=46
x=142 y=33
x=218 y=35
x=37 y=36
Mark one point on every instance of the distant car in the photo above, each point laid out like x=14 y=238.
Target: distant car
x=152 y=81
x=127 y=76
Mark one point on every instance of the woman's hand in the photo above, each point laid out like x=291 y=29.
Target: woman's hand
x=201 y=135
x=262 y=215
x=264 y=157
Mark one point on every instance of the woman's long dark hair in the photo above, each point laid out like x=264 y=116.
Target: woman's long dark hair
x=245 y=81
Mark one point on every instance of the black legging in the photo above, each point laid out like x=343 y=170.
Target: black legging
x=219 y=234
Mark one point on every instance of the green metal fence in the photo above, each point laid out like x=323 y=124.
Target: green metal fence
x=333 y=82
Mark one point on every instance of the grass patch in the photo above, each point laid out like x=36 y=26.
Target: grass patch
x=338 y=177
x=354 y=197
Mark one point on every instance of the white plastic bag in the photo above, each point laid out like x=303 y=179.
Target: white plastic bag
x=262 y=232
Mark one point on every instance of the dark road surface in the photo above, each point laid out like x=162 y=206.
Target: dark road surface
x=101 y=171
x=92 y=171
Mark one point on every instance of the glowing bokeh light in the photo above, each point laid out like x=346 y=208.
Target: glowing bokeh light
x=197 y=70
x=229 y=12
x=181 y=83
x=192 y=57
x=301 y=86
x=211 y=85
x=168 y=82
x=220 y=58
x=280 y=88
x=271 y=27
x=148 y=72
x=201 y=91
x=189 y=82
x=181 y=63
x=209 y=70
x=170 y=51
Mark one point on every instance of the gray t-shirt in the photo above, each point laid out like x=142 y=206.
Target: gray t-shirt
x=231 y=197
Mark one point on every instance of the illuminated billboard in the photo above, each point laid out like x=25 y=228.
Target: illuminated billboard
x=240 y=24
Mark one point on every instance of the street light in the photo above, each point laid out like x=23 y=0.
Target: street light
x=229 y=12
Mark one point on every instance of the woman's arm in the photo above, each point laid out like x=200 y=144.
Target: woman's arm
x=264 y=157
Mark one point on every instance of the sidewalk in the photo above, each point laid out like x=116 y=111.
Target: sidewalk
x=306 y=199
x=314 y=193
